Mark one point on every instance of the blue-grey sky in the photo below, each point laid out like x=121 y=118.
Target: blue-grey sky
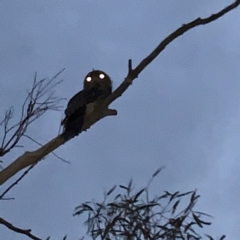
x=183 y=111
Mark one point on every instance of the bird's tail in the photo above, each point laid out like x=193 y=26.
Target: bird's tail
x=72 y=128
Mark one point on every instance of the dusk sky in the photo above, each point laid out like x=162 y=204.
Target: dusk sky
x=182 y=112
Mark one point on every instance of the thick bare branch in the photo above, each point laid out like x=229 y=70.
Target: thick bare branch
x=26 y=232
x=101 y=111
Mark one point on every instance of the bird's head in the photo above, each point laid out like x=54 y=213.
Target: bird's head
x=98 y=79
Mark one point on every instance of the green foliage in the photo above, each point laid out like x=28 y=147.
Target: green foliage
x=135 y=215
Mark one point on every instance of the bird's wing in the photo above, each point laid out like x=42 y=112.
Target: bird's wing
x=76 y=102
x=81 y=99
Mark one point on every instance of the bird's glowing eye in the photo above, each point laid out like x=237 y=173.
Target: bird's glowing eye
x=101 y=76
x=88 y=79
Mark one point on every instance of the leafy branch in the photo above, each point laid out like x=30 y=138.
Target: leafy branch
x=135 y=215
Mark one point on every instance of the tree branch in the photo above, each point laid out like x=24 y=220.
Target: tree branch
x=101 y=111
x=26 y=232
x=133 y=73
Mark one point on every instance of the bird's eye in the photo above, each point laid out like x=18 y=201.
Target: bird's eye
x=101 y=76
x=88 y=79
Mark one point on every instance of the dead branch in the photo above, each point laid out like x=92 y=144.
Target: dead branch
x=26 y=232
x=29 y=158
x=133 y=73
x=39 y=100
x=38 y=143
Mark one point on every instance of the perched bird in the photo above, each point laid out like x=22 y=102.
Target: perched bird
x=97 y=85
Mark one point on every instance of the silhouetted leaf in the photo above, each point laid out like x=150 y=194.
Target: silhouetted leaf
x=210 y=237
x=173 y=196
x=162 y=196
x=82 y=208
x=194 y=197
x=174 y=208
x=111 y=190
x=146 y=206
x=121 y=186
x=222 y=237
x=113 y=205
x=198 y=221
x=138 y=194
x=157 y=172
x=79 y=212
x=205 y=223
x=163 y=227
x=100 y=205
x=187 y=227
x=111 y=224
x=130 y=186
x=201 y=213
x=189 y=207
x=168 y=193
x=184 y=194
x=118 y=196
x=86 y=206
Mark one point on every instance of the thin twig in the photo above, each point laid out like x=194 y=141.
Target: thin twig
x=7 y=199
x=16 y=182
x=38 y=143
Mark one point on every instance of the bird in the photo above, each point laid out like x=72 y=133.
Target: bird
x=97 y=85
